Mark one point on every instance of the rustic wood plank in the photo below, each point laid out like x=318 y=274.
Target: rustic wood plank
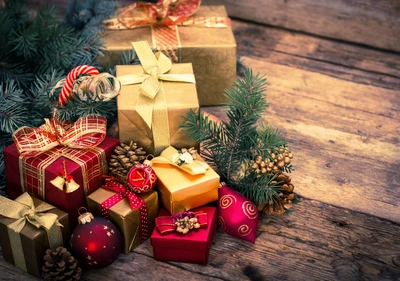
x=345 y=137
x=317 y=242
x=369 y=22
x=345 y=61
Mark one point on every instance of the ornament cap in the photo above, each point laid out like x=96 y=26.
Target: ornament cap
x=148 y=162
x=85 y=217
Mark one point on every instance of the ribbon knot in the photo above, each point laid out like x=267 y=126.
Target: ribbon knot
x=171 y=224
x=170 y=156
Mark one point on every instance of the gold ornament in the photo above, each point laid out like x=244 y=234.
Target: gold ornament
x=65 y=181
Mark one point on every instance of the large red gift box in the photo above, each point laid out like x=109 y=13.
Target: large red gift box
x=193 y=247
x=25 y=175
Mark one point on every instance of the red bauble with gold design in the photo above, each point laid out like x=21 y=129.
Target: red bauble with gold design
x=142 y=178
x=97 y=243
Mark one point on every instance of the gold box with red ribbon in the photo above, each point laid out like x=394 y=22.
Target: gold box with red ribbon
x=153 y=99
x=184 y=186
x=28 y=227
x=133 y=213
x=187 y=33
x=60 y=168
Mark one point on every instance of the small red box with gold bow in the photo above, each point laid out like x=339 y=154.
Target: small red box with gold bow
x=170 y=244
x=59 y=170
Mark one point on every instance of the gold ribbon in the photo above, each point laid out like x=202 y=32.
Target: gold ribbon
x=23 y=210
x=151 y=104
x=197 y=167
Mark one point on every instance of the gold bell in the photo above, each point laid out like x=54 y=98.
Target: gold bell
x=62 y=181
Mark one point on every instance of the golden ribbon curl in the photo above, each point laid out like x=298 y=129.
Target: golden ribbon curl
x=197 y=167
x=23 y=210
x=152 y=95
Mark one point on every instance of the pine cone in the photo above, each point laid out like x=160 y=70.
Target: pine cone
x=280 y=162
x=286 y=196
x=60 y=265
x=124 y=158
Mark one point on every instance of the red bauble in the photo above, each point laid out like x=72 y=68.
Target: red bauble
x=142 y=178
x=237 y=215
x=97 y=243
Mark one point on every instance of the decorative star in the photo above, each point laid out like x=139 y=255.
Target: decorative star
x=89 y=257
x=105 y=227
x=109 y=233
x=95 y=262
x=112 y=231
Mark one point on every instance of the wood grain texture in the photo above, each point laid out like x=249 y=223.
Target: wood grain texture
x=345 y=137
x=317 y=242
x=368 y=22
x=341 y=60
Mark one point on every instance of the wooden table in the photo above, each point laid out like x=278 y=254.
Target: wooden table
x=338 y=104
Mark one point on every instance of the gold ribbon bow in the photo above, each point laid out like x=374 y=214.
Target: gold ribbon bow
x=87 y=132
x=152 y=99
x=168 y=156
x=23 y=210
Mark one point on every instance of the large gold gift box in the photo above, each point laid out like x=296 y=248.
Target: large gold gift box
x=181 y=191
x=127 y=220
x=211 y=50
x=180 y=98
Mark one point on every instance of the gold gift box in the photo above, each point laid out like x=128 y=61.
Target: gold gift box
x=180 y=98
x=181 y=191
x=127 y=220
x=211 y=50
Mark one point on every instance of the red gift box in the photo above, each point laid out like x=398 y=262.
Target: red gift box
x=25 y=175
x=192 y=247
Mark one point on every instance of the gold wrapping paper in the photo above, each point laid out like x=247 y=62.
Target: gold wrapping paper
x=212 y=51
x=34 y=241
x=180 y=190
x=127 y=220
x=180 y=98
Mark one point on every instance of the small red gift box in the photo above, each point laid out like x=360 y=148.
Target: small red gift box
x=34 y=174
x=192 y=247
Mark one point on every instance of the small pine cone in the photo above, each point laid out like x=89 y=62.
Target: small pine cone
x=286 y=196
x=124 y=158
x=277 y=163
x=60 y=265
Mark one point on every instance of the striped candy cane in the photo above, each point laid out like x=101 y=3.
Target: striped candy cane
x=72 y=75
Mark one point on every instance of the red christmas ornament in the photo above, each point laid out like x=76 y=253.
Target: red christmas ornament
x=95 y=242
x=142 y=178
x=237 y=215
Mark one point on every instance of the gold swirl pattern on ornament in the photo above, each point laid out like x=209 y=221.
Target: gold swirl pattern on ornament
x=244 y=230
x=222 y=223
x=250 y=210
x=227 y=200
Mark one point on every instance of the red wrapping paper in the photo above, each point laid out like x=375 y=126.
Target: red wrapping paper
x=68 y=202
x=193 y=247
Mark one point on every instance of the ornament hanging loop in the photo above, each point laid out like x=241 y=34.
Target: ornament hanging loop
x=86 y=217
x=148 y=162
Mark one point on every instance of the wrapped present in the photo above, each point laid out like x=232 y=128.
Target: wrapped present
x=28 y=227
x=170 y=244
x=133 y=213
x=186 y=33
x=153 y=99
x=184 y=185
x=38 y=162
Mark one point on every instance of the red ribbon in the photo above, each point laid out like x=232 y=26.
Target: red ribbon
x=87 y=132
x=165 y=224
x=134 y=201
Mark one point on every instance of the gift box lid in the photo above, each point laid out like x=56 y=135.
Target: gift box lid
x=196 y=240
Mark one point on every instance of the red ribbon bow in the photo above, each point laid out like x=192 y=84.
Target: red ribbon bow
x=166 y=225
x=87 y=132
x=164 y=12
x=135 y=202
